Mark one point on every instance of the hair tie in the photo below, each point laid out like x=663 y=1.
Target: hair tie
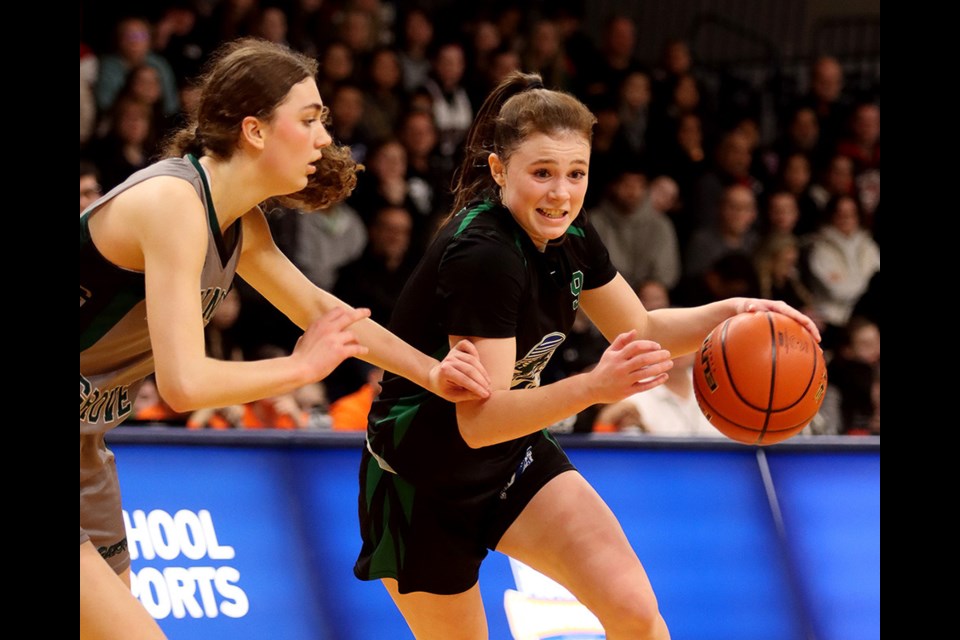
x=536 y=84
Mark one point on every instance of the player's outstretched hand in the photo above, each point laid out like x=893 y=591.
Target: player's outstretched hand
x=461 y=375
x=745 y=305
x=628 y=366
x=327 y=342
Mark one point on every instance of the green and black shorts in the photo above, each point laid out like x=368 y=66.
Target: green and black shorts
x=433 y=538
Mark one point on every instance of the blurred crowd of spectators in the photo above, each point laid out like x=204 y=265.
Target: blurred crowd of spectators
x=693 y=204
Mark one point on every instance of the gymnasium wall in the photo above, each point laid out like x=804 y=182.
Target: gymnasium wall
x=253 y=536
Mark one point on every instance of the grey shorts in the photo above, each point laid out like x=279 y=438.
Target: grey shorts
x=101 y=517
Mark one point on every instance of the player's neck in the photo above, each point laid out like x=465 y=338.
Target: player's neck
x=234 y=186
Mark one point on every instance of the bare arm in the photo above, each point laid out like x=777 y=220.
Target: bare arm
x=615 y=308
x=627 y=367
x=171 y=240
x=265 y=267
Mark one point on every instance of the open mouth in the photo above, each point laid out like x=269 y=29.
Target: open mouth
x=552 y=214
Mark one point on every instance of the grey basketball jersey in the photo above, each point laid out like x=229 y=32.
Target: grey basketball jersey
x=115 y=351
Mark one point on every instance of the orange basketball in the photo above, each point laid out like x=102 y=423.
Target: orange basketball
x=760 y=377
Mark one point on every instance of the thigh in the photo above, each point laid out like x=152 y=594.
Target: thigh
x=569 y=534
x=108 y=611
x=101 y=516
x=441 y=617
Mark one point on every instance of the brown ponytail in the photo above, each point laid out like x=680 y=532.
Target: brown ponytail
x=473 y=177
x=334 y=180
x=245 y=77
x=252 y=77
x=518 y=108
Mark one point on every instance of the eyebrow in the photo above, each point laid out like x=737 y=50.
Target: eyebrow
x=552 y=161
x=315 y=105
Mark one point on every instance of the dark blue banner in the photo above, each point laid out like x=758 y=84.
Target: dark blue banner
x=259 y=542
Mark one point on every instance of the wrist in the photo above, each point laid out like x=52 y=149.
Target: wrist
x=302 y=372
x=584 y=389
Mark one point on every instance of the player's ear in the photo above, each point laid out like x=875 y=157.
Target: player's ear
x=496 y=169
x=252 y=132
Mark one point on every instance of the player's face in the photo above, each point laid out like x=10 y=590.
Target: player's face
x=544 y=182
x=295 y=136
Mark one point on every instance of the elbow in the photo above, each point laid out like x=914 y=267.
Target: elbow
x=176 y=392
x=472 y=434
x=478 y=422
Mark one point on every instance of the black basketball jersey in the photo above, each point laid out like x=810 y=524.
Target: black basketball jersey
x=481 y=277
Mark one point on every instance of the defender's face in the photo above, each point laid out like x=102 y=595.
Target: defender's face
x=294 y=137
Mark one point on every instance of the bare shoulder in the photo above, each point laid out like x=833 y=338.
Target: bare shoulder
x=158 y=210
x=163 y=199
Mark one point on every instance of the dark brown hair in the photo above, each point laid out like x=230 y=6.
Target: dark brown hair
x=518 y=108
x=252 y=77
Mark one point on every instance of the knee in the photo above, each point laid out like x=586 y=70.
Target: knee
x=634 y=615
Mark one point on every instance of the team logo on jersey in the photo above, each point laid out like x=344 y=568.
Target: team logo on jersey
x=211 y=298
x=576 y=286
x=526 y=372
x=108 y=405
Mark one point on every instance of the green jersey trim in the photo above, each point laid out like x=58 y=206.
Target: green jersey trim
x=395 y=493
x=222 y=249
x=470 y=215
x=127 y=288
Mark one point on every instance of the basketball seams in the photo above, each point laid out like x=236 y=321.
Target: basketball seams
x=721 y=347
x=728 y=372
x=774 y=357
x=709 y=407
